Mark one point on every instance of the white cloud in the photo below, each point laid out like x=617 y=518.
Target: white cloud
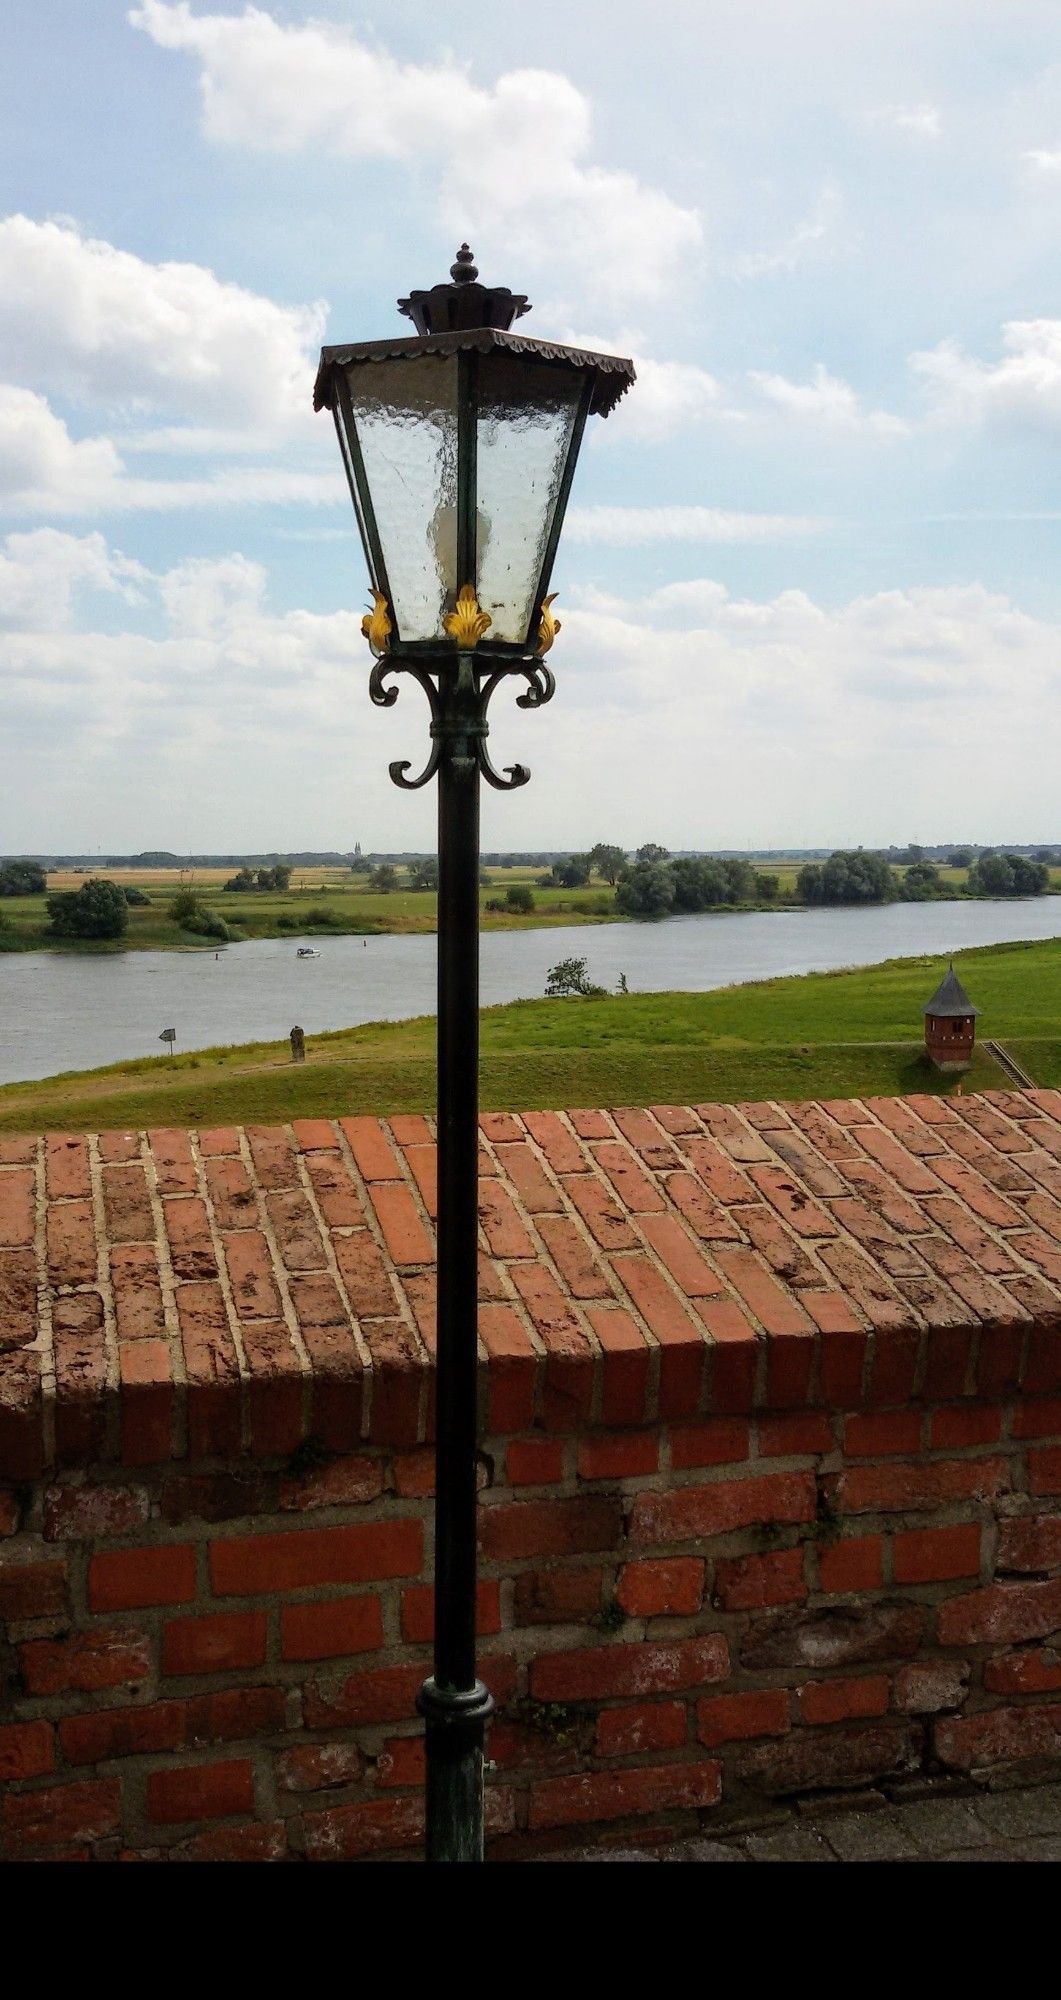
x=43 y=470
x=1023 y=387
x=632 y=527
x=921 y=121
x=1046 y=158
x=43 y=571
x=510 y=162
x=97 y=324
x=825 y=400
x=818 y=234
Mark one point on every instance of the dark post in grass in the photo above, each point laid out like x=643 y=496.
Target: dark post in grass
x=459 y=446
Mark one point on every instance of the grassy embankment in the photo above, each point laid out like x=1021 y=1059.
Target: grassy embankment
x=331 y=902
x=836 y=1034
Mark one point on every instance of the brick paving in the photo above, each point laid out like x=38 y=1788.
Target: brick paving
x=1022 y=1823
x=745 y=1255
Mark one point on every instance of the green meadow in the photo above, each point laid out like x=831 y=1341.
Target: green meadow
x=838 y=1034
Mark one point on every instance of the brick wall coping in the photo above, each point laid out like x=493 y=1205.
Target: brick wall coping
x=204 y=1295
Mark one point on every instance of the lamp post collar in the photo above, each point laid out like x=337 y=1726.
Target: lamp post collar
x=463 y=304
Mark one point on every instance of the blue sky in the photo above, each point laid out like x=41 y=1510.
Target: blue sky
x=809 y=586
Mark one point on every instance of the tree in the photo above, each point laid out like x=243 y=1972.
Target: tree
x=653 y=852
x=520 y=896
x=959 y=857
x=570 y=976
x=424 y=874
x=97 y=909
x=22 y=878
x=1047 y=855
x=920 y=883
x=846 y=877
x=609 y=862
x=646 y=890
x=384 y=879
x=573 y=873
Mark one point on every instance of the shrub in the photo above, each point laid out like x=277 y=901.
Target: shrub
x=97 y=909
x=137 y=899
x=571 y=976
x=520 y=897
x=22 y=878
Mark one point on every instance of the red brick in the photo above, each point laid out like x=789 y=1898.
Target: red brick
x=562 y=1151
x=1037 y=1417
x=349 y=1481
x=62 y=1816
x=1004 y=1613
x=910 y=1488
x=255 y=1840
x=80 y=1364
x=346 y=1832
x=568 y=1382
x=853 y=1564
x=934 y=1555
x=748 y=1583
x=418 y=1610
x=550 y=1527
x=723 y=1441
x=67 y=1166
x=534 y=1462
x=606 y=1795
x=513 y=1364
x=501 y=1226
x=681 y=1365
x=176 y=1724
x=602 y=1672
x=214 y=1645
x=686 y=1264
x=398 y=1381
x=262 y=1565
x=27 y=1750
x=731 y=1718
x=965 y=1424
x=125 y=1579
x=735 y=1352
x=85 y=1513
x=313 y=1767
x=717 y=1507
x=212 y=1496
x=927 y=1686
x=202 y=1791
x=86 y=1662
x=999 y=1736
x=388 y=1694
x=641 y=1726
x=147 y=1397
x=17 y=1220
x=557 y=1596
x=127 y=1204
x=843 y=1701
x=620 y=1455
x=1030 y=1545
x=372 y=1151
x=1035 y=1671
x=71 y=1235
x=652 y=1589
x=329 y=1631
x=402 y=1761
x=533 y=1186
x=625 y=1364
x=404 y=1234
x=414 y=1474
x=1044 y=1471
x=335 y=1193
x=799 y=1436
x=883 y=1433
x=31 y=1590
x=212 y=1371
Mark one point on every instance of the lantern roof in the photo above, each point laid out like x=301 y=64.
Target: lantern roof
x=949 y=999
x=466 y=316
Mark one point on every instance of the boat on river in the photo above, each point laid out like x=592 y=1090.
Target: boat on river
x=306 y=951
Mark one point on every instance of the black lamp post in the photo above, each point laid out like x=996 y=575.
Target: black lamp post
x=460 y=447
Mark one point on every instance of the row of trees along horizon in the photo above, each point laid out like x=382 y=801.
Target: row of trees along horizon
x=652 y=883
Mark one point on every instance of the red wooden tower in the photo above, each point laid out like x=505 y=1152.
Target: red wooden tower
x=950 y=1025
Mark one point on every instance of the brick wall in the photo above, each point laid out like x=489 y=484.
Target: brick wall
x=769 y=1487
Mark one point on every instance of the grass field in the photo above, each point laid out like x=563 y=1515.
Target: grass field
x=330 y=902
x=836 y=1034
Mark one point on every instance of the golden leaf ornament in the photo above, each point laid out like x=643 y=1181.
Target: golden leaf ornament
x=466 y=623
x=548 y=626
x=376 y=625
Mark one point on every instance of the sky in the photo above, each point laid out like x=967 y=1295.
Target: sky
x=809 y=583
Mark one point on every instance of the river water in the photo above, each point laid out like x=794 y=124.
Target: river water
x=60 y=1012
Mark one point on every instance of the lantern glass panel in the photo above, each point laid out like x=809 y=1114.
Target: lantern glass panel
x=526 y=416
x=405 y=414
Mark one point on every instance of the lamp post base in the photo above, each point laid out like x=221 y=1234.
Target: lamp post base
x=455 y=1722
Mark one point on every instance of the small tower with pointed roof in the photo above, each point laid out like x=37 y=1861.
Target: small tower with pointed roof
x=950 y=1025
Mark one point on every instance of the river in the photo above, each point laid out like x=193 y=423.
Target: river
x=67 y=1011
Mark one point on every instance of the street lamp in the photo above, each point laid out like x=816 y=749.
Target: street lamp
x=460 y=446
